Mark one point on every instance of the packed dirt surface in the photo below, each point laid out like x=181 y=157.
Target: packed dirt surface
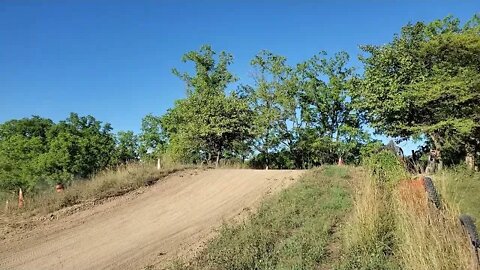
x=170 y=218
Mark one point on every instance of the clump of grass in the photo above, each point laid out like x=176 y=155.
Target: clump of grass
x=369 y=240
x=369 y=234
x=385 y=167
x=291 y=230
x=108 y=183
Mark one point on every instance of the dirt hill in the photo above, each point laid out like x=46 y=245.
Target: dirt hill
x=173 y=217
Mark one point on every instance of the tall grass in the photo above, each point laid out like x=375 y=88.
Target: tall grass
x=108 y=183
x=394 y=227
x=429 y=238
x=369 y=239
x=461 y=188
x=291 y=230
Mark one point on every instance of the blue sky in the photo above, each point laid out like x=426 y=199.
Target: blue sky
x=113 y=59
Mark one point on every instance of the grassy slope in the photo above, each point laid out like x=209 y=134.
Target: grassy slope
x=291 y=230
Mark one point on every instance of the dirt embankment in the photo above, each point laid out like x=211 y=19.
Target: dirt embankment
x=173 y=217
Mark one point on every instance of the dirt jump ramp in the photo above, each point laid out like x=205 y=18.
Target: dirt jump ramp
x=168 y=219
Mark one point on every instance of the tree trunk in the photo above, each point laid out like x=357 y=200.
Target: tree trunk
x=470 y=156
x=218 y=159
x=438 y=151
x=209 y=158
x=266 y=160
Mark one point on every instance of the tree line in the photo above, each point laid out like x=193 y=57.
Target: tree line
x=424 y=84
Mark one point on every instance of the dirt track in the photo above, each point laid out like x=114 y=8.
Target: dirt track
x=170 y=218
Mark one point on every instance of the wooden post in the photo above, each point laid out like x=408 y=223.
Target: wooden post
x=470 y=156
x=20 y=199
x=218 y=159
x=6 y=206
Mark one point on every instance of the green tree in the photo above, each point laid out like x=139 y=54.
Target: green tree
x=79 y=146
x=35 y=151
x=333 y=128
x=425 y=82
x=303 y=116
x=22 y=145
x=152 y=138
x=207 y=123
x=127 y=147
x=272 y=104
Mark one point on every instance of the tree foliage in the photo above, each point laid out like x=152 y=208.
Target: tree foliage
x=152 y=139
x=208 y=122
x=127 y=147
x=36 y=151
x=425 y=82
x=304 y=114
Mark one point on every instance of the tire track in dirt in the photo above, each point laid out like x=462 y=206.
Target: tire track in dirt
x=129 y=233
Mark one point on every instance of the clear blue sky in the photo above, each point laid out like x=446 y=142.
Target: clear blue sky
x=113 y=59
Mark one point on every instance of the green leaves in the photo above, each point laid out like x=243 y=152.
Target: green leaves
x=305 y=111
x=35 y=151
x=127 y=147
x=152 y=141
x=425 y=81
x=206 y=124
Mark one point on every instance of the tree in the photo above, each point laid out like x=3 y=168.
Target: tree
x=208 y=121
x=36 y=151
x=333 y=128
x=127 y=146
x=303 y=115
x=152 y=138
x=425 y=82
x=79 y=147
x=271 y=102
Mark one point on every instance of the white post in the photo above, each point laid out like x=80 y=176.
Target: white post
x=158 y=164
x=20 y=199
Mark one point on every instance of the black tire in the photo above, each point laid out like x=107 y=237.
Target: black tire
x=432 y=193
x=469 y=225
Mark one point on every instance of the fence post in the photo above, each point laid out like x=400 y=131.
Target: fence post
x=20 y=199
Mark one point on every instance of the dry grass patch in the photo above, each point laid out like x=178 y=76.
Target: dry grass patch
x=108 y=183
x=393 y=226
x=430 y=238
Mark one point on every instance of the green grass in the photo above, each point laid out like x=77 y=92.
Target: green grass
x=291 y=230
x=461 y=186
